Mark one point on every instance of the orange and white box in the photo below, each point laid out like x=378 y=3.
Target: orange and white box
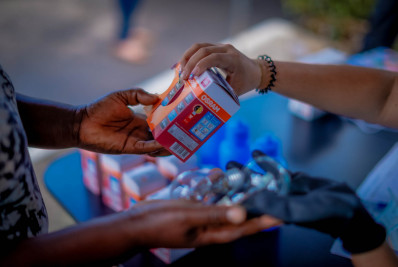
x=113 y=167
x=190 y=112
x=171 y=166
x=140 y=182
x=91 y=171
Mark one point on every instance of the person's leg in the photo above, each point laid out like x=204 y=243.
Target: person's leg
x=134 y=43
x=383 y=25
x=127 y=8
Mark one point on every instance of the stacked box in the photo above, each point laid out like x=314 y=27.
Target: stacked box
x=113 y=167
x=171 y=166
x=91 y=171
x=139 y=182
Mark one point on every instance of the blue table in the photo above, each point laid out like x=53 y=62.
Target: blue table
x=329 y=147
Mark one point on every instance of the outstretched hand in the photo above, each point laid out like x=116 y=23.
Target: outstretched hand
x=243 y=73
x=183 y=223
x=109 y=126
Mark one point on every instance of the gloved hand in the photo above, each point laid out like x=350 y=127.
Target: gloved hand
x=327 y=206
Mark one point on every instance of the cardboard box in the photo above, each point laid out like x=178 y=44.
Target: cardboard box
x=171 y=166
x=91 y=171
x=190 y=112
x=168 y=255
x=140 y=182
x=113 y=167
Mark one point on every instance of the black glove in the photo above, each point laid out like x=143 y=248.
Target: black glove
x=327 y=206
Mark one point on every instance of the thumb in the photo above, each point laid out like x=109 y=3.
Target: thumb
x=139 y=96
x=204 y=215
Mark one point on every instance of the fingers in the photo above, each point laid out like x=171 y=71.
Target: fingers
x=203 y=56
x=160 y=153
x=145 y=147
x=256 y=225
x=138 y=96
x=213 y=215
x=203 y=59
x=192 y=50
x=268 y=221
x=223 y=234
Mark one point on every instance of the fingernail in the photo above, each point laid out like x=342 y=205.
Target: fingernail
x=194 y=72
x=236 y=215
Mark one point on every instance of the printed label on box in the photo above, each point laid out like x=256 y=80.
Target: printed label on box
x=189 y=113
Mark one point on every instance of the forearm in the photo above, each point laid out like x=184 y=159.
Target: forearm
x=357 y=92
x=381 y=256
x=49 y=124
x=99 y=243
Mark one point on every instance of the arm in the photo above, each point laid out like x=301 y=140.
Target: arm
x=100 y=242
x=363 y=93
x=49 y=124
x=357 y=92
x=107 y=125
x=381 y=256
x=109 y=240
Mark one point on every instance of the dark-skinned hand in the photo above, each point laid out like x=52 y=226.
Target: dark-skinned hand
x=109 y=126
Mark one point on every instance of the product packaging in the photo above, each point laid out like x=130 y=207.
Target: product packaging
x=188 y=113
x=140 y=182
x=91 y=171
x=113 y=167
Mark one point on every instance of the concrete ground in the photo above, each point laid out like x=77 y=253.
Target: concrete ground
x=62 y=50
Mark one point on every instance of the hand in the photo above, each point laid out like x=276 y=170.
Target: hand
x=109 y=126
x=243 y=73
x=324 y=205
x=183 y=224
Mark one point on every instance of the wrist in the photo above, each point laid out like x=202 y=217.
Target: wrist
x=268 y=74
x=79 y=113
x=263 y=76
x=258 y=74
x=136 y=227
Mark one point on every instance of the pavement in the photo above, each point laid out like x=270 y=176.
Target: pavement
x=62 y=50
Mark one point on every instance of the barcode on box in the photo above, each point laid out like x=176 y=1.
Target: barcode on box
x=179 y=150
x=181 y=136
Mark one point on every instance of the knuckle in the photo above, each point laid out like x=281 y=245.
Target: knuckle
x=197 y=45
x=139 y=91
x=228 y=46
x=215 y=57
x=204 y=51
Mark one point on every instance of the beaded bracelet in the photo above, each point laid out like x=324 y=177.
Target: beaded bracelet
x=271 y=69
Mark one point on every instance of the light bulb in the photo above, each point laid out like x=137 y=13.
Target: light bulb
x=232 y=186
x=269 y=174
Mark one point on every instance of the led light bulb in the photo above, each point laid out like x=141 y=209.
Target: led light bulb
x=269 y=174
x=232 y=186
x=192 y=185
